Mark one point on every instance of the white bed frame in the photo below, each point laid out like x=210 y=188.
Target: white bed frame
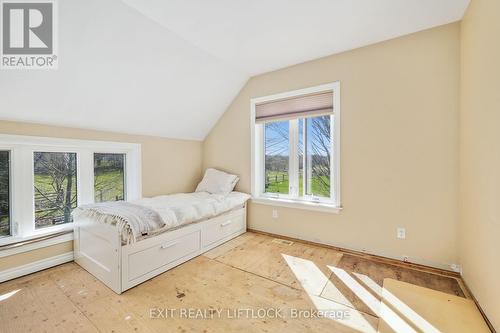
x=98 y=248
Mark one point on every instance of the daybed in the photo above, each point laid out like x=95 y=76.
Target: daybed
x=122 y=257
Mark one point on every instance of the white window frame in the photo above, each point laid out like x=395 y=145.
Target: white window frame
x=125 y=168
x=332 y=204
x=22 y=201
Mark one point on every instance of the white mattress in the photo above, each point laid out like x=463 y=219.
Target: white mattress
x=180 y=209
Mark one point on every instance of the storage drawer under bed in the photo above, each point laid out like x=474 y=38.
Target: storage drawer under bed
x=223 y=227
x=161 y=254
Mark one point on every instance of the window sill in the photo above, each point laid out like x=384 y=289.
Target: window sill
x=36 y=244
x=315 y=206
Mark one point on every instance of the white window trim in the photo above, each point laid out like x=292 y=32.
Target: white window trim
x=36 y=245
x=21 y=177
x=257 y=155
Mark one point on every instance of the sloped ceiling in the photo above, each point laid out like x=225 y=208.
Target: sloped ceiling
x=171 y=67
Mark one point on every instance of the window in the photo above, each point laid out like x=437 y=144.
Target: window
x=109 y=177
x=316 y=149
x=4 y=193
x=43 y=179
x=277 y=157
x=55 y=186
x=295 y=152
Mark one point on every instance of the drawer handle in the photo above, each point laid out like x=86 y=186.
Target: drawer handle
x=226 y=223
x=166 y=246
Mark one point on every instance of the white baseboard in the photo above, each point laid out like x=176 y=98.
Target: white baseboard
x=36 y=266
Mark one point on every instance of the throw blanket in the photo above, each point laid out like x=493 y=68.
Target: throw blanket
x=148 y=217
x=133 y=221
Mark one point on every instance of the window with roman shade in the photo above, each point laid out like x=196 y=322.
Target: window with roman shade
x=295 y=154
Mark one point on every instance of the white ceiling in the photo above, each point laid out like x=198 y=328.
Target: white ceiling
x=171 y=68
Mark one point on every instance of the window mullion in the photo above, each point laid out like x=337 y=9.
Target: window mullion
x=85 y=178
x=333 y=160
x=261 y=162
x=305 y=165
x=23 y=202
x=293 y=176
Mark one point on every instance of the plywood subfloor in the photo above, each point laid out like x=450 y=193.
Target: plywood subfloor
x=427 y=310
x=248 y=273
x=380 y=271
x=261 y=256
x=354 y=275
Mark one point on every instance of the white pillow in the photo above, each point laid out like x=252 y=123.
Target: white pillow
x=217 y=182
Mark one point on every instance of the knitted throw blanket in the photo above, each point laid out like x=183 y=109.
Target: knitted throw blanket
x=133 y=221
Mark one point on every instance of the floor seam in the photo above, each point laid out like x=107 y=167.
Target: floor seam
x=255 y=274
x=324 y=287
x=78 y=307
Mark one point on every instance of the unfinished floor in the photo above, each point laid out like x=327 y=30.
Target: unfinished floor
x=223 y=290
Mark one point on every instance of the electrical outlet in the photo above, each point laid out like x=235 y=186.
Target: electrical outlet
x=401 y=233
x=275 y=213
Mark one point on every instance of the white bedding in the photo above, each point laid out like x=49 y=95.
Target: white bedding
x=184 y=208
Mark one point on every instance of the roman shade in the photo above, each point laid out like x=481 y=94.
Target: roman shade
x=317 y=104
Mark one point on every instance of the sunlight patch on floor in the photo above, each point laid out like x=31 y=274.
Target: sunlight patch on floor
x=8 y=295
x=398 y=305
x=372 y=302
x=385 y=313
x=313 y=281
x=399 y=316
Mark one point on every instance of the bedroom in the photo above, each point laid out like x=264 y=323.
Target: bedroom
x=368 y=157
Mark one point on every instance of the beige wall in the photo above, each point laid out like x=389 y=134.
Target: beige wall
x=480 y=154
x=28 y=257
x=168 y=166
x=399 y=147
